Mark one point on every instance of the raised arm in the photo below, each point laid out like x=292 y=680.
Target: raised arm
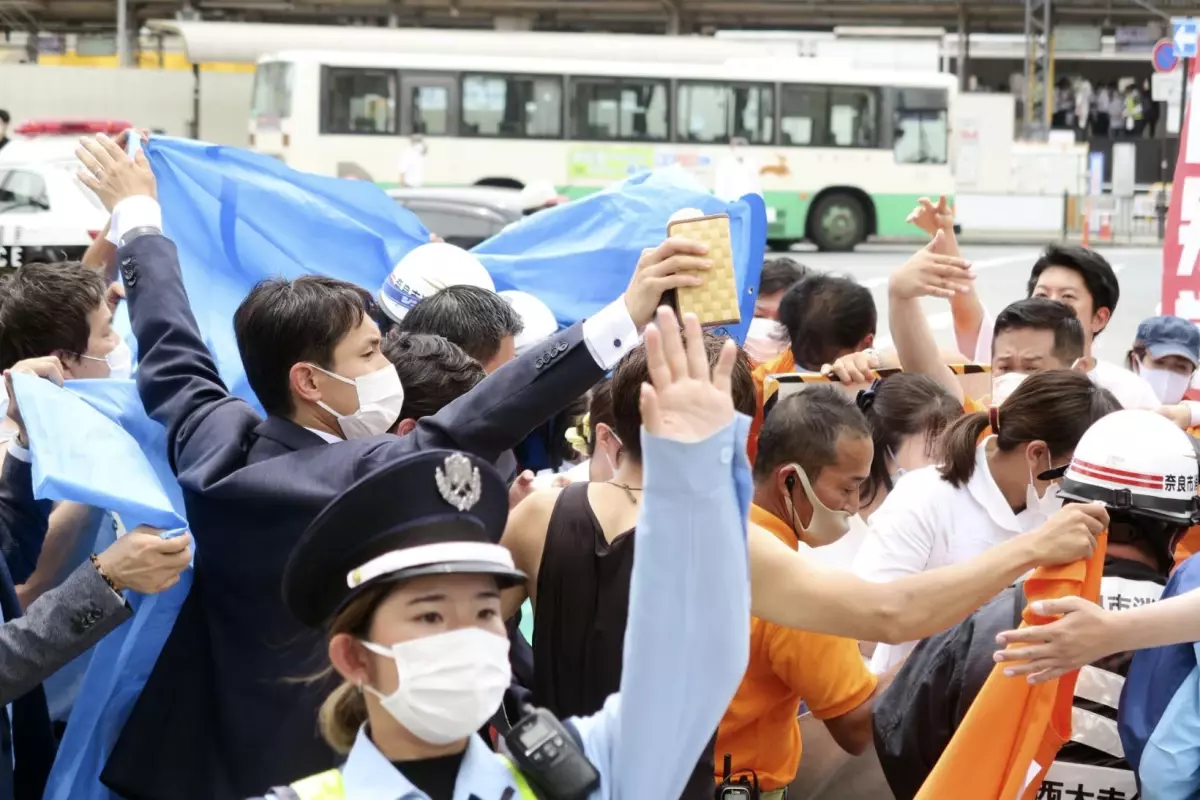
x=793 y=591
x=500 y=411
x=929 y=273
x=965 y=307
x=177 y=377
x=687 y=638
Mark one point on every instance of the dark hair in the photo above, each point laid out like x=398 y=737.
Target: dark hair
x=433 y=371
x=600 y=410
x=475 y=319
x=804 y=428
x=826 y=316
x=780 y=274
x=4 y=117
x=632 y=372
x=1056 y=406
x=282 y=323
x=1044 y=314
x=902 y=405
x=44 y=310
x=1097 y=273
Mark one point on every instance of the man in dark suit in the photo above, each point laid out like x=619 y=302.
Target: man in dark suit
x=219 y=718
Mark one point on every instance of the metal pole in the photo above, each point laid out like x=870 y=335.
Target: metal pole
x=122 y=36
x=195 y=101
x=1185 y=65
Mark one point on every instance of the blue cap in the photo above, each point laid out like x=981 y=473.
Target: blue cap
x=1170 y=336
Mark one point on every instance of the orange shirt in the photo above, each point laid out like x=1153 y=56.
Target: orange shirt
x=782 y=363
x=1012 y=732
x=759 y=729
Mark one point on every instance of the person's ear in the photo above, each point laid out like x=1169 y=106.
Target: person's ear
x=867 y=343
x=1036 y=453
x=406 y=426
x=350 y=658
x=70 y=363
x=303 y=379
x=1085 y=364
x=1100 y=320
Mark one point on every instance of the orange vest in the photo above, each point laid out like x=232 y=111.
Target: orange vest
x=783 y=363
x=1013 y=730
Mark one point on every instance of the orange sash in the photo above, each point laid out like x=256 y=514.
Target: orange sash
x=1013 y=730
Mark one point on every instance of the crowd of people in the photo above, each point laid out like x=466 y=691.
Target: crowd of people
x=465 y=554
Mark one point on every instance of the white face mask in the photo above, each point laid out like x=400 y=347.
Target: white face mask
x=119 y=360
x=1169 y=386
x=1044 y=505
x=763 y=339
x=450 y=683
x=1004 y=385
x=380 y=398
x=826 y=525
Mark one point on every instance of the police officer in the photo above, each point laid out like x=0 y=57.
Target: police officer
x=405 y=570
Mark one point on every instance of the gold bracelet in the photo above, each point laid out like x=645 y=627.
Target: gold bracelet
x=96 y=563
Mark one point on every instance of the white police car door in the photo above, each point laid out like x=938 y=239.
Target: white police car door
x=28 y=223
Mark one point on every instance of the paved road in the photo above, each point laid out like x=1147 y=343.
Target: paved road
x=1002 y=275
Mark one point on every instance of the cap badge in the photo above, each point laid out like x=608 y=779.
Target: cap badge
x=459 y=484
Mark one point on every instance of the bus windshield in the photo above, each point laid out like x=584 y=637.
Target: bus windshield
x=272 y=92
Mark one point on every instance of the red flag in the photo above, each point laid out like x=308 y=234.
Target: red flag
x=1181 y=250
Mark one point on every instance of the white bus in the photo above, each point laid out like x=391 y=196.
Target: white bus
x=840 y=154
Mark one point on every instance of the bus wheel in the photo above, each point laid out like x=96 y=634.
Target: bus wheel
x=837 y=223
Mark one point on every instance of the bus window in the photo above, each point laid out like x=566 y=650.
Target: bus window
x=359 y=100
x=607 y=109
x=853 y=114
x=430 y=105
x=802 y=115
x=512 y=107
x=272 y=91
x=709 y=112
x=922 y=127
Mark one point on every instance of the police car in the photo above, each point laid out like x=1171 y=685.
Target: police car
x=46 y=213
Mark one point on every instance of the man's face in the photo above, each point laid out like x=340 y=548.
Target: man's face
x=1024 y=350
x=767 y=305
x=102 y=340
x=356 y=355
x=837 y=485
x=1067 y=287
x=506 y=353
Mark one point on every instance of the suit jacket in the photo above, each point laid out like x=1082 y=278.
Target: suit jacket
x=225 y=685
x=57 y=627
x=27 y=744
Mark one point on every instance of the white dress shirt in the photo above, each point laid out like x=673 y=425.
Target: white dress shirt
x=926 y=523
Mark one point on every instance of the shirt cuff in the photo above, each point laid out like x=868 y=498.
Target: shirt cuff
x=1194 y=407
x=139 y=211
x=610 y=333
x=19 y=453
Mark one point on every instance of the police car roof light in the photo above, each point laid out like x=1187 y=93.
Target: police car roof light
x=69 y=127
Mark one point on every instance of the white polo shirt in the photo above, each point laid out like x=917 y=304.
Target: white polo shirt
x=926 y=523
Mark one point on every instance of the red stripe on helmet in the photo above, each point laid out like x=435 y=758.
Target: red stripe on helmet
x=1140 y=483
x=1142 y=476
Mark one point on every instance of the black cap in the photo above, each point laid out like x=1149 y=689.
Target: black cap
x=435 y=512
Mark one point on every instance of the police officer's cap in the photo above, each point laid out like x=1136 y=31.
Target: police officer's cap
x=433 y=513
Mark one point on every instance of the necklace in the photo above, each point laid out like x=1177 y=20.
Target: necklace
x=629 y=490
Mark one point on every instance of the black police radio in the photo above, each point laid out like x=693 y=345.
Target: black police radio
x=550 y=756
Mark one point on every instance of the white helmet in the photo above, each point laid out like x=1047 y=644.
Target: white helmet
x=1138 y=463
x=427 y=270
x=538 y=318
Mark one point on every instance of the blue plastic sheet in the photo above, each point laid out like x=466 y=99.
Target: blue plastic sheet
x=238 y=217
x=110 y=455
x=579 y=257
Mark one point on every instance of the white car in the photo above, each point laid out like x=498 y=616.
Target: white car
x=46 y=213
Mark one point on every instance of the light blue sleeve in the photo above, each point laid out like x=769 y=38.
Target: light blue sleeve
x=1170 y=766
x=687 y=638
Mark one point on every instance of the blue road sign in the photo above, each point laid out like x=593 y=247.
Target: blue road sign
x=1187 y=36
x=1164 y=56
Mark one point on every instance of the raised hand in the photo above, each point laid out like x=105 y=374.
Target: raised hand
x=671 y=265
x=111 y=173
x=931 y=217
x=683 y=401
x=929 y=274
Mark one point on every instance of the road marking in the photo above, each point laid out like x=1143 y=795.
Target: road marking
x=976 y=266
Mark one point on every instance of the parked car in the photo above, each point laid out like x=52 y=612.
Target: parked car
x=46 y=214
x=465 y=216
